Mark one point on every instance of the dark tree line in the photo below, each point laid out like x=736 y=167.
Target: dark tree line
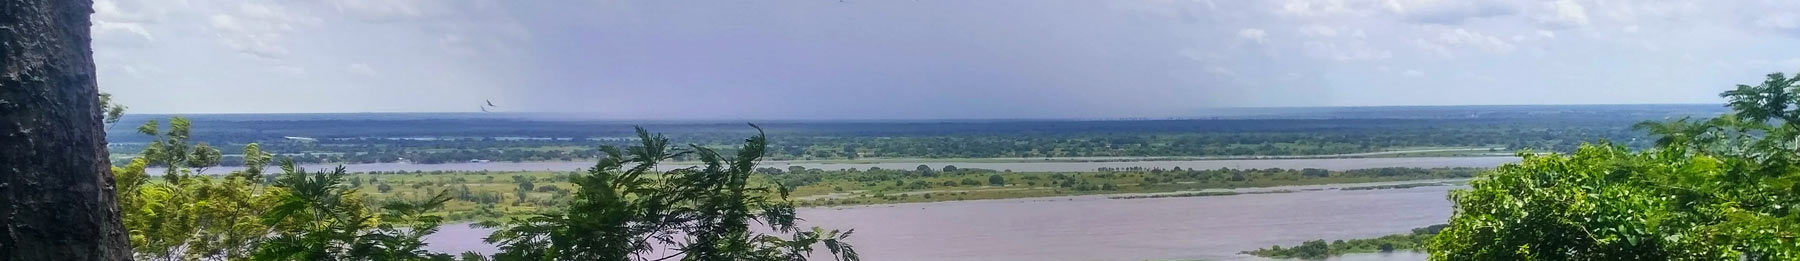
x=461 y=140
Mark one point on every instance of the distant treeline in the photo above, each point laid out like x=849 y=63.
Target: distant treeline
x=1319 y=249
x=461 y=140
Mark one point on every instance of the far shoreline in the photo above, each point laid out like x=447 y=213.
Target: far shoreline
x=577 y=165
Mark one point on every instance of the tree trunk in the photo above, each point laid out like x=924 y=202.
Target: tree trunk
x=56 y=185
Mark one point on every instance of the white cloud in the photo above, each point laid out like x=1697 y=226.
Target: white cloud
x=289 y=70
x=132 y=71
x=381 y=10
x=1254 y=34
x=105 y=30
x=455 y=44
x=258 y=30
x=133 y=11
x=1346 y=51
x=1313 y=8
x=362 y=69
x=1318 y=31
x=1448 y=11
x=1220 y=71
x=125 y=23
x=1464 y=37
x=1564 y=13
x=1784 y=20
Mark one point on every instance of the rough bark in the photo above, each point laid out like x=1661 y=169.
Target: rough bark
x=56 y=186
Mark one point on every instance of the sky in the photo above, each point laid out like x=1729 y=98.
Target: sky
x=913 y=59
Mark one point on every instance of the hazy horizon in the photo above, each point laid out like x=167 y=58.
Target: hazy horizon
x=926 y=59
x=1233 y=113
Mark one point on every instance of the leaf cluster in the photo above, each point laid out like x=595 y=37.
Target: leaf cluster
x=624 y=208
x=1715 y=189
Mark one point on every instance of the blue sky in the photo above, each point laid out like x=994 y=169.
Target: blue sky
x=926 y=58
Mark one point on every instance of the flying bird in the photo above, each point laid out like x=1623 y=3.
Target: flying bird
x=491 y=103
x=484 y=109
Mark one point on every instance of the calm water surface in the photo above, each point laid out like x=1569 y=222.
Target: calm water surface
x=1097 y=228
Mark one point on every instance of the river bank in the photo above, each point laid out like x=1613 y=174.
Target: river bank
x=1099 y=228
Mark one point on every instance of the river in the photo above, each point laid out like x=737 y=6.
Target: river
x=1098 y=228
x=1022 y=165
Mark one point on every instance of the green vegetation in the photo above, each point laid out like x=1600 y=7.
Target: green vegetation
x=1202 y=194
x=1717 y=189
x=488 y=196
x=1398 y=186
x=296 y=216
x=445 y=139
x=698 y=213
x=1318 y=249
x=881 y=186
x=611 y=213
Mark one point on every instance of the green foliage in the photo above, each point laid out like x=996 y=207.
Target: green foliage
x=1319 y=249
x=317 y=217
x=188 y=216
x=624 y=209
x=843 y=187
x=111 y=112
x=171 y=149
x=191 y=218
x=1720 y=189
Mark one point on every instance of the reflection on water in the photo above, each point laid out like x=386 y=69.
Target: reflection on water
x=1097 y=228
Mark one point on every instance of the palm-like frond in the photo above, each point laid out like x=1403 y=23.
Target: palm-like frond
x=1773 y=99
x=624 y=208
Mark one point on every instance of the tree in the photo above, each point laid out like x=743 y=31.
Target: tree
x=317 y=217
x=171 y=150
x=1314 y=173
x=523 y=190
x=1718 y=189
x=56 y=189
x=1315 y=249
x=472 y=256
x=199 y=217
x=298 y=217
x=918 y=184
x=623 y=209
x=204 y=157
x=996 y=180
x=111 y=111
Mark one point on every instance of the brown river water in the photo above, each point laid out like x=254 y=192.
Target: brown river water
x=1087 y=227
x=1098 y=228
